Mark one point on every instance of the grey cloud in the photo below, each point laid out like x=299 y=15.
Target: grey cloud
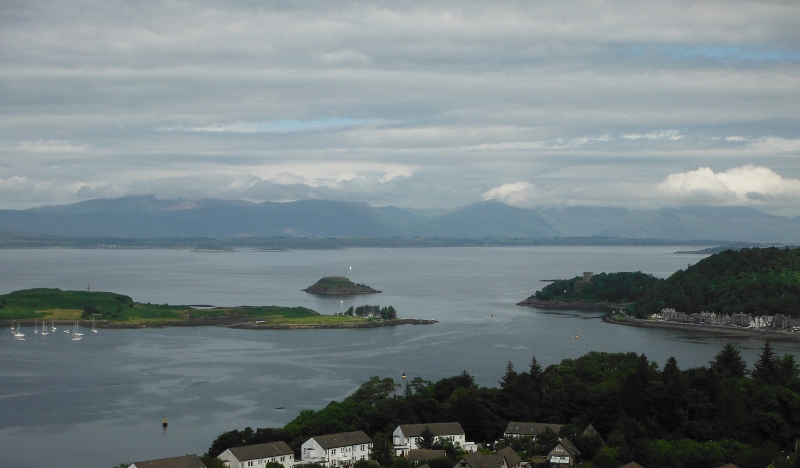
x=588 y=102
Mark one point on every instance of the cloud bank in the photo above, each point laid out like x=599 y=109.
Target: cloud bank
x=429 y=105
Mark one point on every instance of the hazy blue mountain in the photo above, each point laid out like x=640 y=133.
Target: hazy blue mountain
x=583 y=221
x=698 y=222
x=492 y=219
x=149 y=217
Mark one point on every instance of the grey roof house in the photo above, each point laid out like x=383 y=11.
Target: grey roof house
x=258 y=455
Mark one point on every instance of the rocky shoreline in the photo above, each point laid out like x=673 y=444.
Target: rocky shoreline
x=571 y=305
x=725 y=331
x=341 y=291
x=248 y=323
x=306 y=326
x=734 y=333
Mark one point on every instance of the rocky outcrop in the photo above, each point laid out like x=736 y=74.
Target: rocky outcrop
x=339 y=285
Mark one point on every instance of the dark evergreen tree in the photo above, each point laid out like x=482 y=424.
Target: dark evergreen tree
x=535 y=370
x=509 y=376
x=765 y=368
x=729 y=363
x=426 y=439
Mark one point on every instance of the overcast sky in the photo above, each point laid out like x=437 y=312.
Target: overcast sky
x=413 y=104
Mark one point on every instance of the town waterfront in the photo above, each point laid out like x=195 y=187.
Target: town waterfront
x=99 y=402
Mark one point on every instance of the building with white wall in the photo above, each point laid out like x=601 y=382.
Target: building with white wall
x=333 y=450
x=258 y=455
x=407 y=436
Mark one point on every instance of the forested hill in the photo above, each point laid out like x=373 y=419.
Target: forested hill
x=604 y=287
x=756 y=281
x=702 y=417
x=753 y=281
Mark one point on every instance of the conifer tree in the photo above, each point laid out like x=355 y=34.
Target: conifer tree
x=729 y=363
x=765 y=368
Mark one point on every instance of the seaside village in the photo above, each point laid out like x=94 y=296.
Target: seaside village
x=350 y=449
x=775 y=322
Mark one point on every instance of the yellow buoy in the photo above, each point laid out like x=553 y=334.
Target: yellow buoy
x=576 y=336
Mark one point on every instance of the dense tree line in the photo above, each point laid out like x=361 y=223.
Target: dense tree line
x=670 y=417
x=756 y=281
x=603 y=287
x=385 y=313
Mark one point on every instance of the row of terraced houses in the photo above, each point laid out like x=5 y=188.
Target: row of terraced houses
x=345 y=449
x=779 y=321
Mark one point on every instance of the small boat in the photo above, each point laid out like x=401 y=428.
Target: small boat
x=44 y=330
x=53 y=325
x=75 y=335
x=94 y=330
x=164 y=423
x=19 y=335
x=36 y=326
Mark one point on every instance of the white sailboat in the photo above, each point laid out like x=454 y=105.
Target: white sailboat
x=94 y=330
x=44 y=330
x=75 y=335
x=36 y=326
x=19 y=335
x=53 y=325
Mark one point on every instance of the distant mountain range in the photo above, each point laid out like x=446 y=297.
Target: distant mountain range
x=149 y=217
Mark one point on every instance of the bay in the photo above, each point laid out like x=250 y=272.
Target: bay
x=99 y=402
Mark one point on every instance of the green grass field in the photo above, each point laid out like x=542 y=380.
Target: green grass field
x=55 y=304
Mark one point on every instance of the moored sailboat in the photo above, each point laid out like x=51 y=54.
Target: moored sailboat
x=75 y=335
x=19 y=335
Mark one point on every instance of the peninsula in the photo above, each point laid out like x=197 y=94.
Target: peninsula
x=111 y=310
x=339 y=286
x=752 y=292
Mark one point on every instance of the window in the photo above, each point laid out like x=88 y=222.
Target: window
x=283 y=458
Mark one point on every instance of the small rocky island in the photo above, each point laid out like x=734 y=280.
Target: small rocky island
x=339 y=285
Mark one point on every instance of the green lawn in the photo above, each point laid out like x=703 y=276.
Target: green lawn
x=47 y=304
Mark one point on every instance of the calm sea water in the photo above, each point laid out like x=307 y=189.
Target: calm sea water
x=99 y=402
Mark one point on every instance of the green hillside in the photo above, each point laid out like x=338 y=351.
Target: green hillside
x=757 y=281
x=339 y=285
x=763 y=281
x=47 y=304
x=603 y=287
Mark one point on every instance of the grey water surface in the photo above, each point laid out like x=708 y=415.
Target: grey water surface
x=99 y=402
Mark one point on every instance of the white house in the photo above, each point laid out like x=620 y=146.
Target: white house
x=336 y=449
x=186 y=461
x=407 y=436
x=256 y=456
